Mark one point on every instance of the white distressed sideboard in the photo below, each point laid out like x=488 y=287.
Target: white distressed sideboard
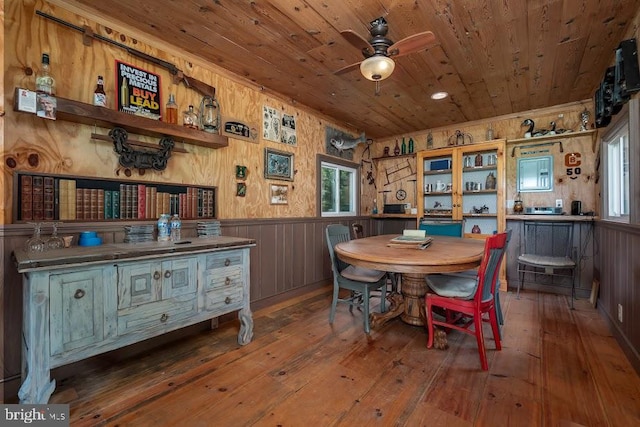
x=83 y=301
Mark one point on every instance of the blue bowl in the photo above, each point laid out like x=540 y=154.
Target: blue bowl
x=88 y=234
x=89 y=241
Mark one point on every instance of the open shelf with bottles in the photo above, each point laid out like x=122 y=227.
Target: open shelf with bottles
x=80 y=112
x=48 y=197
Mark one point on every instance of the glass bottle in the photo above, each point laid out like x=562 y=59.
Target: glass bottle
x=44 y=81
x=176 y=225
x=99 y=96
x=396 y=150
x=190 y=118
x=411 y=145
x=171 y=110
x=404 y=147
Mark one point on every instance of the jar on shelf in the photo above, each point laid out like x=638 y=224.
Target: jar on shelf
x=490 y=183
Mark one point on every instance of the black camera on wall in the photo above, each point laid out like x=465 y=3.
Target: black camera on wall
x=618 y=83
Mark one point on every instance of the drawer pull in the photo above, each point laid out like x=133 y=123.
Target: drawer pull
x=156 y=275
x=227 y=300
x=227 y=262
x=164 y=317
x=167 y=274
x=227 y=281
x=79 y=294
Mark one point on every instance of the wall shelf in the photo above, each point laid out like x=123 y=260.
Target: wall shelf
x=80 y=112
x=577 y=134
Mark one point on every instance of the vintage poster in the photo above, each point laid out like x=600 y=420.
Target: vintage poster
x=288 y=135
x=137 y=91
x=270 y=124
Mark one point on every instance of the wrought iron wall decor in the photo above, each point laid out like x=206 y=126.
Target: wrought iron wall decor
x=140 y=159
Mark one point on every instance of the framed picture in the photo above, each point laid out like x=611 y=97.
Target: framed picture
x=279 y=194
x=278 y=165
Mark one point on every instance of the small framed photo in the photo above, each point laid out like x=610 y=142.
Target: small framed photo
x=278 y=165
x=279 y=194
x=241 y=189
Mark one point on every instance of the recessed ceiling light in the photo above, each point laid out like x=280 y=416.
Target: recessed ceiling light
x=439 y=95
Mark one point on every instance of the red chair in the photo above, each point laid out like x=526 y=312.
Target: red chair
x=466 y=299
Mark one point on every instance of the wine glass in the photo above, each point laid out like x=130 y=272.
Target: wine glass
x=55 y=241
x=35 y=242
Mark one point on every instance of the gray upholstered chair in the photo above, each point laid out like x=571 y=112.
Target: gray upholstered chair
x=359 y=281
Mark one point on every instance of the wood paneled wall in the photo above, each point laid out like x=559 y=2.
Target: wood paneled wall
x=617 y=268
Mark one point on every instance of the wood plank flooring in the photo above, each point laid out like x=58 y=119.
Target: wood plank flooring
x=557 y=367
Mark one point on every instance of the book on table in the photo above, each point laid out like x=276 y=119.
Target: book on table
x=411 y=239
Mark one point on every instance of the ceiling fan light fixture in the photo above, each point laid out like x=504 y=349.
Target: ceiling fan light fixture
x=439 y=95
x=377 y=67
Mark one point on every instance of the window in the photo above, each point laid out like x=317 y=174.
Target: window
x=617 y=154
x=338 y=188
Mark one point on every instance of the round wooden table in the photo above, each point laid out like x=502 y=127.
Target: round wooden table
x=444 y=255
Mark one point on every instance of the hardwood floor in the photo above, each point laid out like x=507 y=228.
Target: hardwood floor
x=556 y=367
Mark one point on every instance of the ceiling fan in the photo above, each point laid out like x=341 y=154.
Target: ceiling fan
x=379 y=50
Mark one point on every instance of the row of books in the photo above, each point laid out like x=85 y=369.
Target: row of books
x=46 y=198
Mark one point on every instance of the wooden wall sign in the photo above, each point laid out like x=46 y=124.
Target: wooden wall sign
x=238 y=129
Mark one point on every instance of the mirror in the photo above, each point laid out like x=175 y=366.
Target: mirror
x=535 y=174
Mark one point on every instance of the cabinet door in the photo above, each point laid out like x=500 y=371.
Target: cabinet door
x=139 y=283
x=179 y=277
x=481 y=187
x=77 y=310
x=437 y=181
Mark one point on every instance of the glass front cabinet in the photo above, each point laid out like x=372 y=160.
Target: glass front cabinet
x=464 y=182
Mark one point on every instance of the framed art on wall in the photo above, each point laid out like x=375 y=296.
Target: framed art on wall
x=279 y=194
x=278 y=165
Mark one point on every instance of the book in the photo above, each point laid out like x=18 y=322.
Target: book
x=141 y=201
x=108 y=209
x=414 y=242
x=115 y=204
x=48 y=198
x=26 y=197
x=38 y=197
x=71 y=201
x=100 y=203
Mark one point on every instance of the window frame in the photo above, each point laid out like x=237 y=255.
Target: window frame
x=626 y=121
x=340 y=163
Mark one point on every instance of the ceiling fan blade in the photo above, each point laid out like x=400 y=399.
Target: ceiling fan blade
x=414 y=43
x=347 y=68
x=356 y=40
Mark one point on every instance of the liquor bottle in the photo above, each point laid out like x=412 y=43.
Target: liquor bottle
x=99 y=96
x=404 y=147
x=411 y=147
x=396 y=150
x=44 y=81
x=171 y=110
x=190 y=118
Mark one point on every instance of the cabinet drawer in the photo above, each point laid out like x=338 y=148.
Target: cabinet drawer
x=157 y=315
x=224 y=299
x=222 y=278
x=223 y=259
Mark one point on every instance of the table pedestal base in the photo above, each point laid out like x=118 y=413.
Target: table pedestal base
x=409 y=306
x=414 y=288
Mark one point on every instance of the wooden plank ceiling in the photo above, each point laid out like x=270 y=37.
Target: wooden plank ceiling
x=493 y=57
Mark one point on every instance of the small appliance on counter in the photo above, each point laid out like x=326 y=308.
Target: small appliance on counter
x=394 y=208
x=543 y=211
x=576 y=207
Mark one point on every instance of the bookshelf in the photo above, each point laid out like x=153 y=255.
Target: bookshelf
x=49 y=197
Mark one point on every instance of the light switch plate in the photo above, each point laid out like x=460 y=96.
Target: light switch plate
x=558 y=203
